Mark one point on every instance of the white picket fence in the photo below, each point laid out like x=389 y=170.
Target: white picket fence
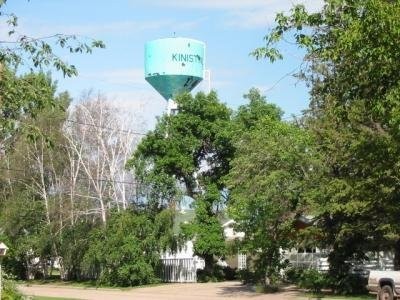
x=178 y=270
x=319 y=261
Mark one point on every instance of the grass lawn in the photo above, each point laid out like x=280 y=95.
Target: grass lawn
x=51 y=298
x=334 y=297
x=83 y=284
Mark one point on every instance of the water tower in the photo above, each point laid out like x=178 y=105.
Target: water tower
x=173 y=66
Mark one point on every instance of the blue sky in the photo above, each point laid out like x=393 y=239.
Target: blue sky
x=231 y=29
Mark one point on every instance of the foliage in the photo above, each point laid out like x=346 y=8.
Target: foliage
x=22 y=97
x=354 y=116
x=73 y=245
x=23 y=223
x=28 y=206
x=189 y=151
x=349 y=284
x=47 y=207
x=10 y=291
x=25 y=96
x=38 y=52
x=292 y=274
x=248 y=116
x=313 y=280
x=127 y=251
x=267 y=183
x=206 y=231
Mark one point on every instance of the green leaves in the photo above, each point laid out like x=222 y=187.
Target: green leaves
x=181 y=143
x=188 y=154
x=267 y=183
x=127 y=252
x=39 y=53
x=354 y=79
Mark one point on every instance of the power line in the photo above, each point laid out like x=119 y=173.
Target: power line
x=292 y=117
x=10 y=169
x=280 y=79
x=108 y=128
x=80 y=177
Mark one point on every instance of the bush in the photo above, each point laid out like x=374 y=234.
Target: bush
x=217 y=274
x=349 y=284
x=127 y=251
x=313 y=280
x=293 y=274
x=229 y=273
x=247 y=276
x=10 y=291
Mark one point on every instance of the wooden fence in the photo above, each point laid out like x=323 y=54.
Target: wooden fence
x=178 y=270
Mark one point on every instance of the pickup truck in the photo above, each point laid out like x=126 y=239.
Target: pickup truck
x=385 y=284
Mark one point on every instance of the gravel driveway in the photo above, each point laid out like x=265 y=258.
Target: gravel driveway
x=188 y=291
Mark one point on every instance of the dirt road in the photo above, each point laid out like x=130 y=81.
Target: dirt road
x=189 y=291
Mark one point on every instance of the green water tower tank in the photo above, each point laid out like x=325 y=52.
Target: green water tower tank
x=174 y=65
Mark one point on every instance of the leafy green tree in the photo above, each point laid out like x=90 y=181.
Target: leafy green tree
x=31 y=194
x=127 y=252
x=38 y=52
x=267 y=191
x=24 y=96
x=190 y=151
x=24 y=226
x=354 y=116
x=249 y=116
x=73 y=244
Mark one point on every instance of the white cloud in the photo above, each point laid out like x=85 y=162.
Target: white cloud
x=244 y=13
x=238 y=4
x=143 y=102
x=263 y=16
x=37 y=28
x=211 y=4
x=118 y=76
x=145 y=105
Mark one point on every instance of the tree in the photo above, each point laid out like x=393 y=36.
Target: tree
x=189 y=151
x=249 y=116
x=354 y=116
x=37 y=52
x=127 y=251
x=100 y=141
x=31 y=178
x=267 y=183
x=25 y=96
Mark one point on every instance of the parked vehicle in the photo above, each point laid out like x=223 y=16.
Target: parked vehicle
x=385 y=284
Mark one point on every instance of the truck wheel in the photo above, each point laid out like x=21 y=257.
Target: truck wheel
x=385 y=293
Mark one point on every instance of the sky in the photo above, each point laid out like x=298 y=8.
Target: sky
x=231 y=29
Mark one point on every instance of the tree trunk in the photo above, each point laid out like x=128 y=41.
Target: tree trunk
x=209 y=263
x=396 y=259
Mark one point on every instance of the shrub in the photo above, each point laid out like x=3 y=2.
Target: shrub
x=229 y=273
x=127 y=251
x=349 y=284
x=293 y=274
x=247 y=276
x=10 y=291
x=313 y=280
x=217 y=274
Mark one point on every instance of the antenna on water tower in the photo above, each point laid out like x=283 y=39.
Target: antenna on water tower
x=173 y=66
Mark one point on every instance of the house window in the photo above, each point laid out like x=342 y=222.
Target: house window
x=242 y=258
